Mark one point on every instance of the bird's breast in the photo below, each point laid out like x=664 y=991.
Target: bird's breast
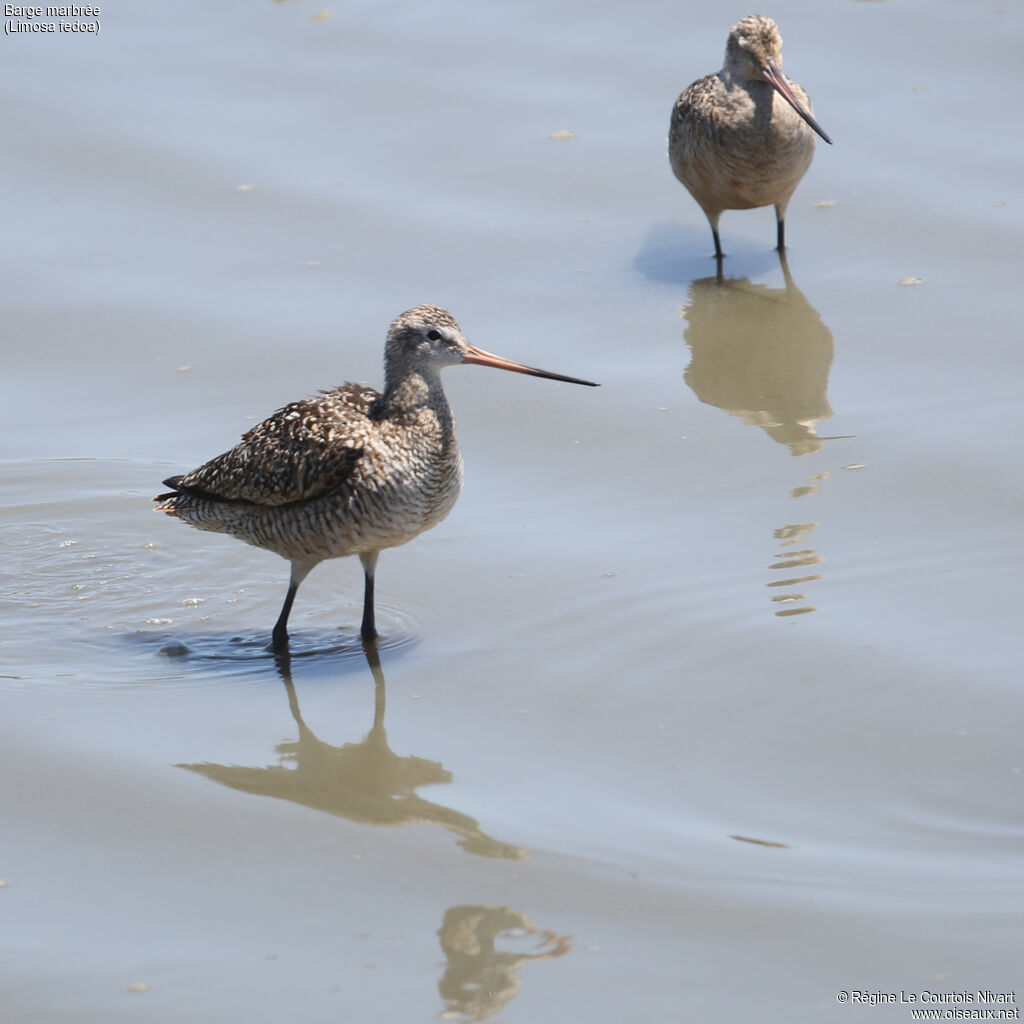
x=738 y=146
x=410 y=474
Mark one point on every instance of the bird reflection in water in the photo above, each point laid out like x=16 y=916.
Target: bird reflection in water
x=365 y=782
x=793 y=558
x=480 y=980
x=763 y=354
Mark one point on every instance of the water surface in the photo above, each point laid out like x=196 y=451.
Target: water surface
x=762 y=585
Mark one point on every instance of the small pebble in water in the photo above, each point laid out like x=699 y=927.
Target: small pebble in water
x=175 y=650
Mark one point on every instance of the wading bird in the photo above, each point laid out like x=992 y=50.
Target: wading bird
x=742 y=137
x=350 y=472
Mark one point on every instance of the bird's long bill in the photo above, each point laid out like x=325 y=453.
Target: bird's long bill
x=777 y=80
x=482 y=358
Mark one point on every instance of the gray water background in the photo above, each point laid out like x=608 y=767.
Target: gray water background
x=588 y=686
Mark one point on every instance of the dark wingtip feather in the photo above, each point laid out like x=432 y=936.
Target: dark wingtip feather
x=171 y=481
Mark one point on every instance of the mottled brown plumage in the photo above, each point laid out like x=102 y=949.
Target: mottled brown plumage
x=742 y=137
x=350 y=472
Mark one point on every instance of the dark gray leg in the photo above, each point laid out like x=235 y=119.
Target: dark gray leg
x=780 y=218
x=280 y=635
x=713 y=218
x=368 y=630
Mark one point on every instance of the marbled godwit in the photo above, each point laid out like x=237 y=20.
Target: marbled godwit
x=350 y=472
x=731 y=142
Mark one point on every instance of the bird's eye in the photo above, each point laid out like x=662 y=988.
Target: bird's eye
x=434 y=335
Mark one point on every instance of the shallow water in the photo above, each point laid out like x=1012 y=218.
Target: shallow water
x=762 y=585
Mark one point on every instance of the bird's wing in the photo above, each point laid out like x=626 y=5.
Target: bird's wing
x=698 y=102
x=305 y=450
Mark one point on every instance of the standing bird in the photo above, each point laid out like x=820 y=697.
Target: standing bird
x=732 y=141
x=349 y=472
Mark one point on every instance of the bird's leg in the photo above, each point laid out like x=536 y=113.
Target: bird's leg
x=300 y=570
x=718 y=243
x=280 y=634
x=713 y=221
x=780 y=217
x=368 y=630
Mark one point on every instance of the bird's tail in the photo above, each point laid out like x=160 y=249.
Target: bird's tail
x=174 y=482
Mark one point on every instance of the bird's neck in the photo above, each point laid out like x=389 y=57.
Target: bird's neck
x=411 y=392
x=743 y=89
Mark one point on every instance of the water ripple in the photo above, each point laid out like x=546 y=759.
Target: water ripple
x=92 y=595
